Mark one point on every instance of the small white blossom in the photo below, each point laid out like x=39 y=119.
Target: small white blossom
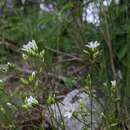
x=30 y=47
x=9 y=64
x=113 y=83
x=107 y=2
x=30 y=101
x=68 y=114
x=93 y=45
x=32 y=76
x=45 y=8
x=8 y=104
x=33 y=73
x=1 y=81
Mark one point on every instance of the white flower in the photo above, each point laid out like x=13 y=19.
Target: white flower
x=8 y=104
x=33 y=74
x=107 y=2
x=68 y=114
x=9 y=64
x=30 y=101
x=30 y=47
x=1 y=81
x=92 y=45
x=48 y=8
x=113 y=83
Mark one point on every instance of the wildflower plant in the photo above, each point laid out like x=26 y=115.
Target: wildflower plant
x=27 y=95
x=33 y=82
x=32 y=53
x=31 y=50
x=92 y=50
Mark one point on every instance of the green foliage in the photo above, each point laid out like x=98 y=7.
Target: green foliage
x=62 y=33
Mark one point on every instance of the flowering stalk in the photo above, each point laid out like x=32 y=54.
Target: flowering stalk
x=30 y=101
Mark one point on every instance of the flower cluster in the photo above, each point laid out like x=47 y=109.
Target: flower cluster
x=91 y=13
x=30 y=101
x=92 y=10
x=30 y=47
